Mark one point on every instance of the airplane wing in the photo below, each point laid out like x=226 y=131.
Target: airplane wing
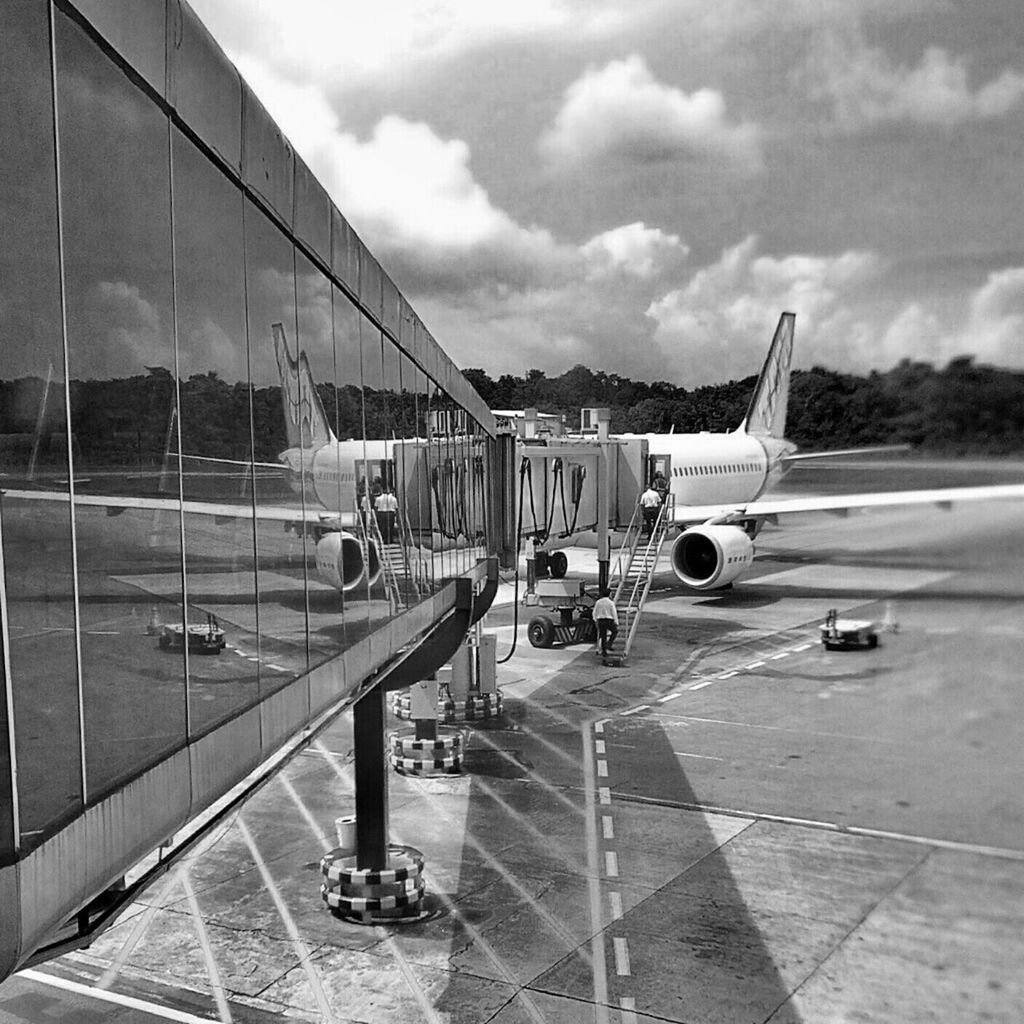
x=769 y=508
x=115 y=504
x=845 y=452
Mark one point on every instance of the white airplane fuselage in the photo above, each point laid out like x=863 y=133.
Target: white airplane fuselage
x=716 y=469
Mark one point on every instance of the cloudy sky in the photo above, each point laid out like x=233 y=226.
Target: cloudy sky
x=643 y=186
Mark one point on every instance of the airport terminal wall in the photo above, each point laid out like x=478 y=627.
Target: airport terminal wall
x=156 y=226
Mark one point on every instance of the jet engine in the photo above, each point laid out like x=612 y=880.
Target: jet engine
x=340 y=561
x=705 y=557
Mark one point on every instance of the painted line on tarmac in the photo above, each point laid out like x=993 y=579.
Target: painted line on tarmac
x=667 y=698
x=861 y=831
x=700 y=686
x=627 y=1004
x=621 y=957
x=597 y=944
x=599 y=746
x=605 y=794
x=608 y=826
x=602 y=769
x=611 y=864
x=615 y=899
x=156 y=1010
x=703 y=757
x=635 y=711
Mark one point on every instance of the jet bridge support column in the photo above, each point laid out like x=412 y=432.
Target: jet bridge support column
x=421 y=661
x=603 y=495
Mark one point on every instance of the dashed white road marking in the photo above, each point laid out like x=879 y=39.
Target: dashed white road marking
x=611 y=864
x=602 y=769
x=754 y=664
x=803 y=647
x=636 y=710
x=668 y=697
x=726 y=675
x=700 y=686
x=599 y=746
x=599 y=726
x=615 y=899
x=703 y=757
x=604 y=794
x=627 y=1004
x=621 y=957
x=781 y=654
x=608 y=826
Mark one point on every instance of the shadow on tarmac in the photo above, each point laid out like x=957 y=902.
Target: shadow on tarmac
x=686 y=947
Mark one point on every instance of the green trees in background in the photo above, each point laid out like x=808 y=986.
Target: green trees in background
x=963 y=408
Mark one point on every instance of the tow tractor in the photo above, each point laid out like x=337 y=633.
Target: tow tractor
x=847 y=634
x=202 y=639
x=574 y=623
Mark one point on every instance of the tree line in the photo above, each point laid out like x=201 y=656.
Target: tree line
x=962 y=408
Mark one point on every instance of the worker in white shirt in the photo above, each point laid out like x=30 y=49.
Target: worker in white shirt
x=606 y=618
x=385 y=507
x=650 y=503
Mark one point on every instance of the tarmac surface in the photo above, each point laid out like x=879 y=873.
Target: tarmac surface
x=735 y=825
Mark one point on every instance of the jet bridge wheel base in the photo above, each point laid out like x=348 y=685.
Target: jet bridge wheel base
x=410 y=756
x=474 y=708
x=392 y=895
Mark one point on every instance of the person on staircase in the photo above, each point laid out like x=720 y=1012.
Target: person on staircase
x=385 y=507
x=650 y=503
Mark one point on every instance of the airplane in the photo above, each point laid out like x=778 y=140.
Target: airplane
x=717 y=480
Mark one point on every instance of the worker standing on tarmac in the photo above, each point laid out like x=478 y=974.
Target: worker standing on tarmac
x=606 y=618
x=650 y=503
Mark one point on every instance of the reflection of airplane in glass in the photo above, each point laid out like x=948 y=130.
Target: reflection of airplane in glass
x=716 y=480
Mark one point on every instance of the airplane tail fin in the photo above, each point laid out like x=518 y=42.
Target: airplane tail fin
x=766 y=415
x=304 y=416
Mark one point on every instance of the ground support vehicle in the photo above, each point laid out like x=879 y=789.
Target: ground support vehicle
x=202 y=639
x=568 y=617
x=847 y=634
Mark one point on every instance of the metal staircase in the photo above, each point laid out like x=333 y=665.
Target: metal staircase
x=401 y=585
x=634 y=569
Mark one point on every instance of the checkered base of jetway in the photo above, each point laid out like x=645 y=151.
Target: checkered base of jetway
x=378 y=896
x=412 y=756
x=475 y=707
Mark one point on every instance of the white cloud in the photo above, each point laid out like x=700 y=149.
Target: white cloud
x=994 y=331
x=864 y=87
x=718 y=326
x=344 y=45
x=633 y=249
x=409 y=193
x=621 y=112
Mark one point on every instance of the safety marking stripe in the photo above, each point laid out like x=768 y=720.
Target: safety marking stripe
x=608 y=826
x=611 y=864
x=666 y=699
x=754 y=664
x=621 y=957
x=605 y=794
x=599 y=746
x=636 y=710
x=782 y=654
x=726 y=675
x=700 y=686
x=602 y=769
x=615 y=899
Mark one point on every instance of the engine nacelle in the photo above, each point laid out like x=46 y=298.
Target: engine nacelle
x=705 y=557
x=339 y=560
